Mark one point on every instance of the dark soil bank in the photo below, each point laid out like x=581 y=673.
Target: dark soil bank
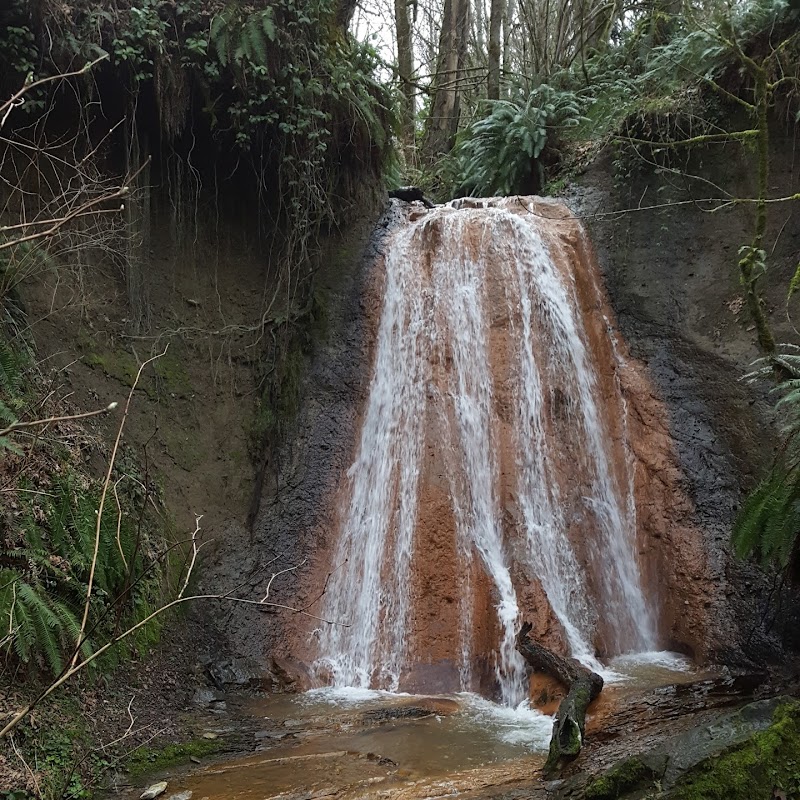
x=293 y=521
x=673 y=281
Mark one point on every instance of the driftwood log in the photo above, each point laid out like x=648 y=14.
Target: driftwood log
x=583 y=686
x=411 y=193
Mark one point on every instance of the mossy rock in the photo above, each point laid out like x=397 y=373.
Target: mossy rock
x=767 y=765
x=145 y=760
x=752 y=753
x=627 y=776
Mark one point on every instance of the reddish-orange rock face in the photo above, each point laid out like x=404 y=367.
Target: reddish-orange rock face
x=514 y=463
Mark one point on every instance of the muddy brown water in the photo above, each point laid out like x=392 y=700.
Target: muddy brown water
x=361 y=744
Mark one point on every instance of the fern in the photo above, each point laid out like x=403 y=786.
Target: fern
x=499 y=153
x=43 y=580
x=221 y=36
x=11 y=394
x=768 y=524
x=240 y=38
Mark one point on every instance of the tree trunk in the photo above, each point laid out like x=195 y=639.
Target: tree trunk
x=344 y=12
x=445 y=112
x=405 y=70
x=496 y=14
x=508 y=42
x=583 y=684
x=751 y=266
x=478 y=45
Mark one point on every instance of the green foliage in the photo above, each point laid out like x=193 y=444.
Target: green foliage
x=48 y=544
x=661 y=93
x=56 y=757
x=17 y=41
x=239 y=37
x=59 y=747
x=11 y=398
x=141 y=40
x=276 y=81
x=768 y=523
x=632 y=88
x=497 y=154
x=44 y=573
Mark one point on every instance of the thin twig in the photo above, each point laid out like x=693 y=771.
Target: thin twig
x=281 y=572
x=14 y=100
x=15 y=426
x=103 y=494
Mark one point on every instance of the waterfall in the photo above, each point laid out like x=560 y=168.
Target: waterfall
x=485 y=393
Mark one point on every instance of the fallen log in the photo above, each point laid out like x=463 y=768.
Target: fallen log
x=411 y=193
x=583 y=686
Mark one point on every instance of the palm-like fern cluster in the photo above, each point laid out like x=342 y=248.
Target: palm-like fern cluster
x=499 y=152
x=44 y=572
x=620 y=89
x=238 y=36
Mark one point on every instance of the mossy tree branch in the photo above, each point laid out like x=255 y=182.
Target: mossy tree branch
x=583 y=685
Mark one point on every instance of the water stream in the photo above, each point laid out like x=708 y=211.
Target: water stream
x=484 y=388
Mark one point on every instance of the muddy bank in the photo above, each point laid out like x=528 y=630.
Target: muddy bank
x=294 y=519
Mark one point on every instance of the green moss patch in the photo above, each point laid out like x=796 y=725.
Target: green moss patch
x=153 y=759
x=119 y=365
x=767 y=762
x=628 y=775
x=170 y=375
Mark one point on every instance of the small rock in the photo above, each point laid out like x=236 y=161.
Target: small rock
x=181 y=795
x=292 y=723
x=153 y=791
x=210 y=735
x=194 y=759
x=203 y=697
x=271 y=735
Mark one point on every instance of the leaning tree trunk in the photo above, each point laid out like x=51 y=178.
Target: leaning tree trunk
x=583 y=684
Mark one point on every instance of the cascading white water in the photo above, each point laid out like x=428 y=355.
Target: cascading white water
x=612 y=505
x=434 y=359
x=368 y=592
x=460 y=329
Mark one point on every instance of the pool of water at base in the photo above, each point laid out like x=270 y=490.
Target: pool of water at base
x=352 y=743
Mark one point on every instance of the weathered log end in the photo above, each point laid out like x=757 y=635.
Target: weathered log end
x=409 y=194
x=583 y=686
